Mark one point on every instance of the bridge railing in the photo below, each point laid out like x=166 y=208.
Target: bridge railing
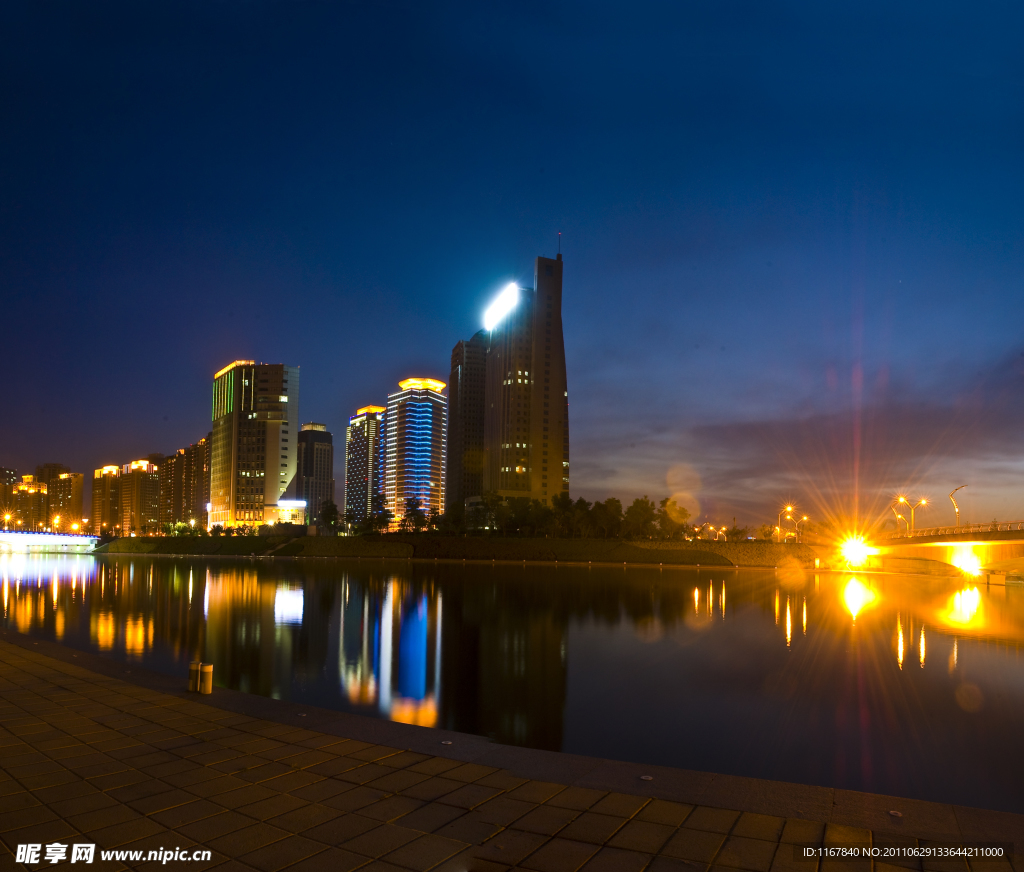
x=990 y=527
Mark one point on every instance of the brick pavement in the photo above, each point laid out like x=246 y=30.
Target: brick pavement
x=90 y=758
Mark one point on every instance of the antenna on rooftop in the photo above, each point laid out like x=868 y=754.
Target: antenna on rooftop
x=559 y=241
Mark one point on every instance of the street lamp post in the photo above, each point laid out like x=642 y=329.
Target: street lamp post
x=922 y=502
x=956 y=508
x=797 y=525
x=779 y=527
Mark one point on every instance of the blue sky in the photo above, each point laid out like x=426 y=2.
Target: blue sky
x=788 y=230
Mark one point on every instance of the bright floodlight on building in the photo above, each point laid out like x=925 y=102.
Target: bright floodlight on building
x=504 y=304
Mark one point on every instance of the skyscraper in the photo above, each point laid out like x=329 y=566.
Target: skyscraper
x=8 y=478
x=255 y=438
x=29 y=499
x=185 y=485
x=140 y=498
x=316 y=468
x=526 y=420
x=417 y=420
x=365 y=457
x=106 y=501
x=465 y=451
x=64 y=495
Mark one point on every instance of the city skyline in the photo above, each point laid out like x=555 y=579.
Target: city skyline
x=801 y=285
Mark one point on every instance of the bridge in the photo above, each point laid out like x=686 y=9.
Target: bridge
x=995 y=549
x=23 y=542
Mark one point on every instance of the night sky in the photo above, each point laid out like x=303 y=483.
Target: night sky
x=792 y=231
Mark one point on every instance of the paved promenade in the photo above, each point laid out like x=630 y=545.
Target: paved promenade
x=90 y=758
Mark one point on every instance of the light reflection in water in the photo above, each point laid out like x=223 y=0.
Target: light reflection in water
x=965 y=606
x=541 y=659
x=899 y=640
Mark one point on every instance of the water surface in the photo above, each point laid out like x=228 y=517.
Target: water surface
x=904 y=685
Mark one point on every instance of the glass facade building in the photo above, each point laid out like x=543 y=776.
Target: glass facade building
x=316 y=469
x=365 y=454
x=254 y=451
x=417 y=425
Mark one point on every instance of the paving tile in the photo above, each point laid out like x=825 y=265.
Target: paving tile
x=713 y=820
x=391 y=807
x=431 y=817
x=355 y=799
x=469 y=795
x=104 y=817
x=188 y=813
x=161 y=801
x=398 y=780
x=247 y=839
x=120 y=834
x=433 y=788
x=840 y=835
x=545 y=819
x=697 y=845
x=753 y=854
x=217 y=786
x=643 y=836
x=381 y=840
x=434 y=766
x=271 y=807
x=618 y=860
x=536 y=791
x=469 y=827
x=333 y=860
x=372 y=752
x=425 y=852
x=620 y=804
x=321 y=790
x=660 y=811
x=559 y=855
x=502 y=810
x=242 y=796
x=341 y=829
x=759 y=826
x=510 y=846
x=801 y=832
x=282 y=854
x=363 y=774
x=593 y=827
x=579 y=798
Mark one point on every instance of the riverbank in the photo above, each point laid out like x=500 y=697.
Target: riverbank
x=100 y=752
x=431 y=547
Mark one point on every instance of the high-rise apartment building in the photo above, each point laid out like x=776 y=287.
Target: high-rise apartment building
x=8 y=478
x=466 y=403
x=47 y=472
x=185 y=485
x=29 y=498
x=417 y=423
x=140 y=498
x=365 y=460
x=64 y=496
x=254 y=451
x=316 y=469
x=526 y=419
x=106 y=501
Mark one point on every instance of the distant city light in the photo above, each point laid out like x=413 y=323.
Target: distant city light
x=505 y=303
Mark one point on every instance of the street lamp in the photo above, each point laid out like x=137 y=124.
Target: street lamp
x=779 y=527
x=7 y=521
x=797 y=525
x=956 y=508
x=922 y=502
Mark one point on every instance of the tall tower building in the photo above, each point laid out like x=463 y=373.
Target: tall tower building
x=526 y=419
x=465 y=451
x=255 y=444
x=8 y=479
x=365 y=456
x=65 y=501
x=106 y=501
x=29 y=499
x=316 y=468
x=185 y=484
x=417 y=420
x=140 y=498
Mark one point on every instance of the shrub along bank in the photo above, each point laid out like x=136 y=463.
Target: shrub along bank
x=431 y=547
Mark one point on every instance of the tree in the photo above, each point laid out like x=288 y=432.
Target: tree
x=580 y=518
x=672 y=518
x=606 y=517
x=434 y=518
x=639 y=518
x=329 y=514
x=561 y=505
x=414 y=519
x=766 y=531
